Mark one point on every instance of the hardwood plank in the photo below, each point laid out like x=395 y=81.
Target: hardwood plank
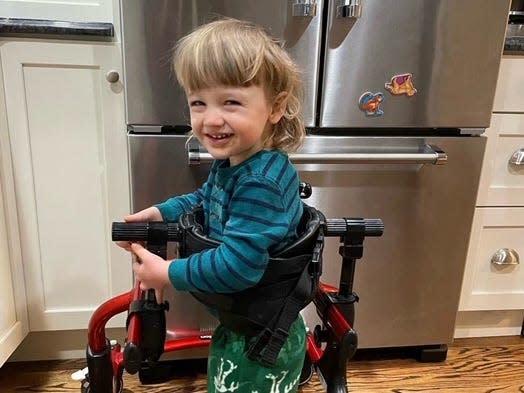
x=473 y=366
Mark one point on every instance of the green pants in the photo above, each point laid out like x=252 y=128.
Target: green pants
x=229 y=369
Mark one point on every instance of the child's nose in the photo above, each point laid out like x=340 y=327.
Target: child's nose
x=213 y=117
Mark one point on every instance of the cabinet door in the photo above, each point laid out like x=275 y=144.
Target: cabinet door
x=68 y=142
x=502 y=177
x=509 y=96
x=492 y=282
x=13 y=315
x=71 y=10
x=13 y=326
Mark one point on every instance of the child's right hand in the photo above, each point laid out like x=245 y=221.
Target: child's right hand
x=150 y=214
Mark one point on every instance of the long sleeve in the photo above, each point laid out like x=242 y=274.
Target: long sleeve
x=262 y=214
x=172 y=208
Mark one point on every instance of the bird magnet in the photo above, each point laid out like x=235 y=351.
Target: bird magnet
x=401 y=84
x=370 y=102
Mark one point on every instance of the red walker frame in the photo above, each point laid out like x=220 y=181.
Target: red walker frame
x=335 y=307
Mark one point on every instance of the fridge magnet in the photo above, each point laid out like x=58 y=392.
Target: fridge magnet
x=369 y=103
x=401 y=84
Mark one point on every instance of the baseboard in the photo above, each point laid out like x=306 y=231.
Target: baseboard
x=62 y=344
x=71 y=344
x=488 y=323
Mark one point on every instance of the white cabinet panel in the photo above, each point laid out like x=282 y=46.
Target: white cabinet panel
x=13 y=315
x=70 y=162
x=12 y=330
x=501 y=182
x=509 y=96
x=68 y=10
x=489 y=286
x=492 y=297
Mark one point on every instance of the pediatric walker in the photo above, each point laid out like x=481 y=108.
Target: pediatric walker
x=329 y=347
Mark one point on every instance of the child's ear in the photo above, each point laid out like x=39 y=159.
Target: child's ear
x=278 y=107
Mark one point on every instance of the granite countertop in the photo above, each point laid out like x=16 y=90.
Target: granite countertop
x=514 y=46
x=56 y=29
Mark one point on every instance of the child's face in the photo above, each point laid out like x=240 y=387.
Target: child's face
x=232 y=122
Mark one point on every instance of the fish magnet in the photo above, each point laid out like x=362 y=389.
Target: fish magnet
x=369 y=103
x=401 y=84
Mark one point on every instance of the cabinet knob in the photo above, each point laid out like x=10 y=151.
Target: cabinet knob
x=505 y=256
x=517 y=158
x=112 y=76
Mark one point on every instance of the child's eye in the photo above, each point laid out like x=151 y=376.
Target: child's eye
x=232 y=102
x=196 y=103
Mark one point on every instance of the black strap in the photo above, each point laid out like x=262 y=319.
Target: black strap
x=268 y=343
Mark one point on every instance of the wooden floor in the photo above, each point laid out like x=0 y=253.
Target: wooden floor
x=486 y=365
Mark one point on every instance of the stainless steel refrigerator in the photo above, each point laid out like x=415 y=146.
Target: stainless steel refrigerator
x=398 y=95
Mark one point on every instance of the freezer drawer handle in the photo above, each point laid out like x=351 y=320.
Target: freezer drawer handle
x=349 y=9
x=303 y=8
x=431 y=155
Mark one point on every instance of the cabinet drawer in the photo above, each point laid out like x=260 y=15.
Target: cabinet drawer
x=487 y=285
x=502 y=182
x=509 y=96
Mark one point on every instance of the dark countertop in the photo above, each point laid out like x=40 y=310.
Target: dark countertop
x=514 y=46
x=44 y=28
x=56 y=29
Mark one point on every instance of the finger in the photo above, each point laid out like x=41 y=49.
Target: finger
x=136 y=267
x=159 y=294
x=124 y=244
x=139 y=250
x=133 y=217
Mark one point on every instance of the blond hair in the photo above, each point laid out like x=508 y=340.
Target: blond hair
x=231 y=52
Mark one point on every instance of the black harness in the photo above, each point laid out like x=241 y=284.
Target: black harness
x=266 y=311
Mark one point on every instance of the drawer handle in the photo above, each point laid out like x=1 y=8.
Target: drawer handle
x=517 y=158
x=431 y=155
x=505 y=256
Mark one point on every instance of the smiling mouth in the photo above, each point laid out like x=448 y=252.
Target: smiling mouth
x=219 y=137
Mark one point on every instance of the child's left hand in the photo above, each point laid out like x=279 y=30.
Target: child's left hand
x=150 y=270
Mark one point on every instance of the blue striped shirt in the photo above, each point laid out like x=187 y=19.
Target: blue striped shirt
x=252 y=208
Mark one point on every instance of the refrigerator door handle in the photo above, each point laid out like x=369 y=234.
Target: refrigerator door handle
x=431 y=154
x=303 y=8
x=349 y=9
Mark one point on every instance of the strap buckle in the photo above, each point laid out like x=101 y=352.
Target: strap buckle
x=267 y=346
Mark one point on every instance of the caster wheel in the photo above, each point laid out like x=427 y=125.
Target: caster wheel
x=307 y=371
x=84 y=387
x=118 y=384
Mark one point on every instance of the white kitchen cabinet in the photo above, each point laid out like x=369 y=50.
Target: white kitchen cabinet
x=502 y=180
x=68 y=146
x=13 y=326
x=493 y=293
x=71 y=10
x=13 y=318
x=493 y=283
x=509 y=96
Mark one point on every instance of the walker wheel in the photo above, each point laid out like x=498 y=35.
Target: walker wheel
x=307 y=371
x=84 y=387
x=118 y=384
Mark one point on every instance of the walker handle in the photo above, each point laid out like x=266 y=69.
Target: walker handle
x=142 y=231
x=339 y=226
